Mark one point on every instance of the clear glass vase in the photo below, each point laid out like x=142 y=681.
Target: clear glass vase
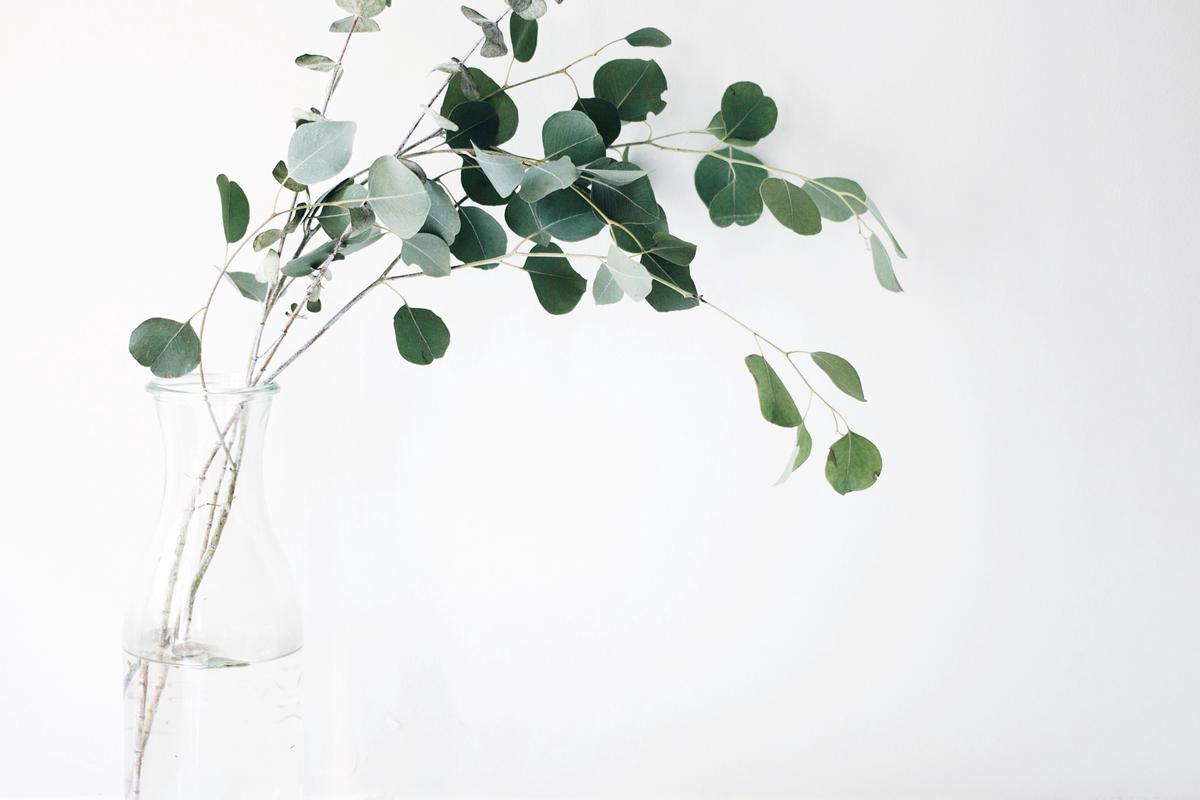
x=212 y=632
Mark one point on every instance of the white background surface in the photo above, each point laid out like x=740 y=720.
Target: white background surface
x=554 y=563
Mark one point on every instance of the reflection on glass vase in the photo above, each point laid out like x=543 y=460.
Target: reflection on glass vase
x=212 y=632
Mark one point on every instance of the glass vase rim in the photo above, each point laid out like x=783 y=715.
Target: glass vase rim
x=214 y=384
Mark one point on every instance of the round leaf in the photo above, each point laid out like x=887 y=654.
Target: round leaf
x=397 y=196
x=604 y=115
x=506 y=109
x=320 y=150
x=635 y=86
x=427 y=252
x=853 y=464
x=421 y=336
x=563 y=215
x=480 y=238
x=574 y=135
x=477 y=125
x=747 y=114
x=557 y=285
x=170 y=349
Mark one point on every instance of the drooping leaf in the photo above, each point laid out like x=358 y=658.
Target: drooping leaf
x=664 y=297
x=443 y=218
x=605 y=289
x=730 y=190
x=485 y=89
x=562 y=215
x=280 y=173
x=603 y=114
x=791 y=205
x=574 y=135
x=250 y=287
x=841 y=372
x=632 y=202
x=838 y=199
x=549 y=176
x=320 y=150
x=315 y=63
x=421 y=336
x=630 y=276
x=648 y=37
x=746 y=113
x=874 y=209
x=505 y=172
x=673 y=249
x=364 y=8
x=883 y=266
x=853 y=464
x=799 y=454
x=356 y=24
x=170 y=349
x=606 y=170
x=774 y=399
x=493 y=38
x=557 y=285
x=477 y=124
x=635 y=86
x=235 y=209
x=265 y=239
x=335 y=217
x=524 y=35
x=481 y=238
x=397 y=196
x=427 y=252
x=477 y=186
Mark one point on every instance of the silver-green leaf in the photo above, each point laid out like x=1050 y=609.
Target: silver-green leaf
x=397 y=196
x=320 y=150
x=427 y=252
x=550 y=176
x=503 y=171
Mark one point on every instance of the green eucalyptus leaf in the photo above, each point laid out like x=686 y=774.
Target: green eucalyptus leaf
x=170 y=349
x=235 y=209
x=841 y=372
x=558 y=287
x=648 y=37
x=524 y=35
x=883 y=266
x=397 y=196
x=315 y=63
x=800 y=452
x=477 y=124
x=853 y=464
x=730 y=190
x=883 y=223
x=481 y=238
x=477 y=186
x=633 y=278
x=603 y=114
x=250 y=287
x=305 y=264
x=265 y=239
x=574 y=135
x=602 y=169
x=605 y=289
x=320 y=150
x=356 y=24
x=632 y=202
x=746 y=113
x=280 y=174
x=562 y=215
x=664 y=297
x=774 y=399
x=791 y=205
x=638 y=237
x=421 y=336
x=505 y=172
x=486 y=89
x=547 y=177
x=443 y=218
x=673 y=249
x=838 y=199
x=335 y=218
x=635 y=86
x=427 y=252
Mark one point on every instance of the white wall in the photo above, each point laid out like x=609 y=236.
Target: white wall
x=554 y=564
